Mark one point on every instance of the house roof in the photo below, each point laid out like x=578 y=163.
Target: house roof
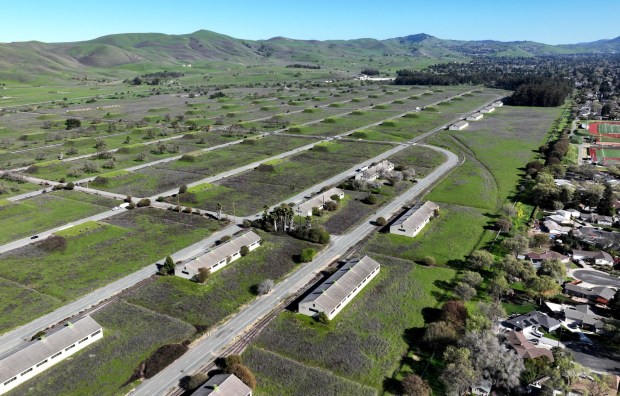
x=584 y=314
x=220 y=252
x=318 y=200
x=597 y=255
x=39 y=350
x=460 y=124
x=524 y=348
x=416 y=215
x=226 y=384
x=546 y=255
x=596 y=291
x=533 y=318
x=338 y=286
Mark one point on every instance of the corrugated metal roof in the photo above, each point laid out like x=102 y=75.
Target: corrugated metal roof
x=227 y=385
x=37 y=351
x=222 y=251
x=416 y=215
x=338 y=286
x=318 y=200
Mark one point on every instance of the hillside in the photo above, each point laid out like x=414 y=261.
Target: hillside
x=124 y=52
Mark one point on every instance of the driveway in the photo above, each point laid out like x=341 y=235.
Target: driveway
x=596 y=278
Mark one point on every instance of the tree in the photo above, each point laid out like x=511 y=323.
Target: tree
x=464 y=291
x=543 y=287
x=472 y=278
x=459 y=374
x=455 y=313
x=503 y=224
x=480 y=259
x=517 y=244
x=498 y=286
x=183 y=189
x=413 y=385
x=509 y=210
x=70 y=186
x=307 y=255
x=244 y=251
x=537 y=240
x=265 y=287
x=381 y=221
x=243 y=373
x=370 y=199
x=202 y=275
x=193 y=382
x=554 y=269
x=492 y=359
x=144 y=202
x=168 y=267
x=606 y=204
x=492 y=310
x=72 y=123
x=439 y=334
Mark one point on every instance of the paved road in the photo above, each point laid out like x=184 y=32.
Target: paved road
x=207 y=349
x=16 y=337
x=597 y=357
x=596 y=278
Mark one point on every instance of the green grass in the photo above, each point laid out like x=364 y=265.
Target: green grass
x=19 y=304
x=365 y=342
x=452 y=236
x=226 y=290
x=10 y=188
x=99 y=255
x=46 y=211
x=130 y=335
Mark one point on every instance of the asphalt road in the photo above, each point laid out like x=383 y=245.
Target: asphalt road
x=207 y=349
x=17 y=336
x=599 y=358
x=596 y=278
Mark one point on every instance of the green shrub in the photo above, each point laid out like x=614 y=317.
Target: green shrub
x=307 y=255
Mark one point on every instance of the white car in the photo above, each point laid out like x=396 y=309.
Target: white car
x=536 y=333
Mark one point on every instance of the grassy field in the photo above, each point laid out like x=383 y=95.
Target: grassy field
x=452 y=236
x=227 y=289
x=19 y=304
x=99 y=255
x=46 y=211
x=364 y=343
x=9 y=188
x=248 y=192
x=130 y=334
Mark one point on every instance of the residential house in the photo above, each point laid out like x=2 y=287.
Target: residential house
x=537 y=258
x=559 y=219
x=488 y=109
x=583 y=317
x=524 y=348
x=339 y=289
x=413 y=220
x=499 y=103
x=594 y=236
x=533 y=319
x=599 y=257
x=475 y=117
x=594 y=218
x=224 y=385
x=458 y=126
x=219 y=256
x=37 y=356
x=574 y=213
x=554 y=228
x=595 y=294
x=373 y=172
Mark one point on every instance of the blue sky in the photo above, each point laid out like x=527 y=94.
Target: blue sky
x=548 y=21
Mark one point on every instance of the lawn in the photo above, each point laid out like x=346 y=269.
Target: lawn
x=130 y=334
x=46 y=211
x=365 y=342
x=227 y=289
x=21 y=304
x=10 y=188
x=99 y=255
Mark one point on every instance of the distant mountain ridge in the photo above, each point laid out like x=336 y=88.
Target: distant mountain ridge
x=131 y=50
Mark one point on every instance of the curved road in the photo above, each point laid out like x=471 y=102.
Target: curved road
x=596 y=278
